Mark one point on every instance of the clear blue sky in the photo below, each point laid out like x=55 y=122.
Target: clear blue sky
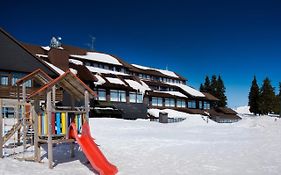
x=234 y=38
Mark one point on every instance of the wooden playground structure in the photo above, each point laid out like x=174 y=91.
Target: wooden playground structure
x=40 y=112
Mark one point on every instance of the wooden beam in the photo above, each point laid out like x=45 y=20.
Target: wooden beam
x=49 y=115
x=87 y=107
x=24 y=116
x=35 y=116
x=1 y=130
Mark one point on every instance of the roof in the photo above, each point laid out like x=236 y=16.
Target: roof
x=210 y=97
x=167 y=94
x=226 y=110
x=38 y=75
x=70 y=83
x=13 y=50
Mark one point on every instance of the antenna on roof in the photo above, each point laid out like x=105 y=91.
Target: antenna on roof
x=91 y=45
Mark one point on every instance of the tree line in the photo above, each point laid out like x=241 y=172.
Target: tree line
x=262 y=100
x=216 y=87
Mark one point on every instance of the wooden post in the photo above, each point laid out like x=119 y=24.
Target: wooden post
x=1 y=130
x=24 y=115
x=49 y=114
x=87 y=107
x=54 y=95
x=35 y=117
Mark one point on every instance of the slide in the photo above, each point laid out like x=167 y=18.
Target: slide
x=91 y=150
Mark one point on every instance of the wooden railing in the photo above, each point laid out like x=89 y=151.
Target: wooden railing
x=11 y=92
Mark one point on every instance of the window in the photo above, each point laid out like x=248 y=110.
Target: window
x=88 y=64
x=192 y=104
x=136 y=97
x=181 y=103
x=118 y=95
x=4 y=80
x=169 y=102
x=133 y=97
x=101 y=94
x=157 y=101
x=200 y=104
x=207 y=105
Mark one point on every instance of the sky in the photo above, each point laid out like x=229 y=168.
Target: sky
x=236 y=39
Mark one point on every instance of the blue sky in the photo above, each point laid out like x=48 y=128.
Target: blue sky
x=235 y=39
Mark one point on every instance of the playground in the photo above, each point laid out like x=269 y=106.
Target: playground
x=40 y=121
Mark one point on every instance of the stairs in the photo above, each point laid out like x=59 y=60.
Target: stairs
x=11 y=132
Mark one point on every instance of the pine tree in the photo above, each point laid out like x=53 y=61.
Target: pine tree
x=267 y=98
x=207 y=85
x=221 y=93
x=277 y=106
x=202 y=88
x=213 y=86
x=254 y=97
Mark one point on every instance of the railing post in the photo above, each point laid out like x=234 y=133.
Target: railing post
x=87 y=107
x=1 y=130
x=49 y=115
x=24 y=115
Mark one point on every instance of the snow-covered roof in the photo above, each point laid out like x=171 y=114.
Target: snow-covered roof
x=115 y=80
x=73 y=71
x=171 y=113
x=100 y=80
x=99 y=57
x=46 y=47
x=41 y=55
x=188 y=90
x=77 y=62
x=165 y=72
x=137 y=86
x=104 y=71
x=174 y=93
x=58 y=70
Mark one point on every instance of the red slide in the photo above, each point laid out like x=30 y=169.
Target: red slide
x=91 y=150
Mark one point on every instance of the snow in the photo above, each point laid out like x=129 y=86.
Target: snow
x=104 y=71
x=137 y=86
x=171 y=113
x=106 y=108
x=42 y=55
x=189 y=90
x=249 y=147
x=243 y=110
x=100 y=80
x=77 y=62
x=46 y=47
x=165 y=72
x=115 y=81
x=73 y=71
x=99 y=57
x=174 y=93
x=58 y=70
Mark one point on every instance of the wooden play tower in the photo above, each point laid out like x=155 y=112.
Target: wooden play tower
x=41 y=112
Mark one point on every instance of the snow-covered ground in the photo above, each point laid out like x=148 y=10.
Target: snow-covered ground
x=249 y=147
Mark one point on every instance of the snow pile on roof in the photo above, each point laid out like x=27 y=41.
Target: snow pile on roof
x=115 y=80
x=137 y=86
x=165 y=72
x=73 y=71
x=77 y=62
x=189 y=90
x=171 y=113
x=174 y=93
x=41 y=55
x=243 y=110
x=104 y=71
x=100 y=80
x=99 y=57
x=58 y=70
x=46 y=47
